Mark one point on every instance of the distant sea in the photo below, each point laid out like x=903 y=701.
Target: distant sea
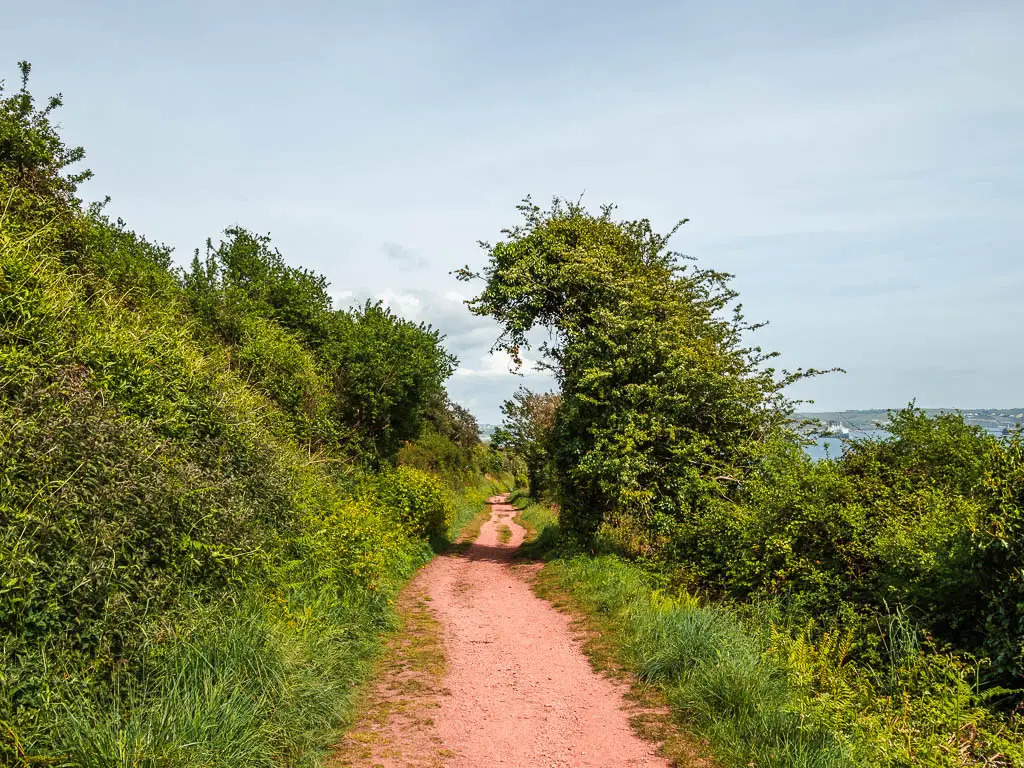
x=832 y=447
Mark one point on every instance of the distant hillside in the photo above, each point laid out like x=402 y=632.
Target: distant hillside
x=989 y=418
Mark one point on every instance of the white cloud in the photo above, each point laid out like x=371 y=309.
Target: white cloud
x=500 y=363
x=341 y=299
x=406 y=305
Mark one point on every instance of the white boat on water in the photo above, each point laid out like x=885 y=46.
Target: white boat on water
x=1008 y=430
x=837 y=430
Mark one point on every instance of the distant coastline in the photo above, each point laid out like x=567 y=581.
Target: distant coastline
x=872 y=420
x=992 y=419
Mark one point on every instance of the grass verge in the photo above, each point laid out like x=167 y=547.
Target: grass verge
x=264 y=680
x=388 y=720
x=541 y=524
x=650 y=713
x=396 y=715
x=715 y=677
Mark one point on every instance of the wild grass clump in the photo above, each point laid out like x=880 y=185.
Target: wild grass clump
x=261 y=683
x=671 y=644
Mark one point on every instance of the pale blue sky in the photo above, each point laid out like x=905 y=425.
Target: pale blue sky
x=860 y=170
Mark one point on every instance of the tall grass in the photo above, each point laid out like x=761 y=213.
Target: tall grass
x=714 y=674
x=257 y=683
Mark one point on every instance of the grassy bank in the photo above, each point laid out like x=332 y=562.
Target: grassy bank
x=263 y=677
x=763 y=691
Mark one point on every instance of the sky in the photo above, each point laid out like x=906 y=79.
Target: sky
x=859 y=167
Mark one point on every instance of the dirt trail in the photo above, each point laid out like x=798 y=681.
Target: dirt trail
x=516 y=690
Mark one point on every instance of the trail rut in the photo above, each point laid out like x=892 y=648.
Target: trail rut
x=516 y=690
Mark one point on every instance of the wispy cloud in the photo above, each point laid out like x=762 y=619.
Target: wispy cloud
x=501 y=364
x=403 y=256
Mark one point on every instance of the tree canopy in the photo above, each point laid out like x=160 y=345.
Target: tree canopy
x=527 y=431
x=663 y=404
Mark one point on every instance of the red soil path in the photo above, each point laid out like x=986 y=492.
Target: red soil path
x=520 y=691
x=516 y=689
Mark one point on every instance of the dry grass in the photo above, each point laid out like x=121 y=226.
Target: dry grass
x=396 y=720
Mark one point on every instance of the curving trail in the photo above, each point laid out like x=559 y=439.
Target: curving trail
x=517 y=689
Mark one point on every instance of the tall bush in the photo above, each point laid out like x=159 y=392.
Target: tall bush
x=664 y=407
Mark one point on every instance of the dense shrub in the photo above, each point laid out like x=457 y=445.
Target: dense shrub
x=246 y=276
x=387 y=373
x=275 y=362
x=420 y=500
x=998 y=564
x=193 y=572
x=663 y=408
x=357 y=381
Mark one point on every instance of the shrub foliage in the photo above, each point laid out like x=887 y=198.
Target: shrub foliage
x=673 y=443
x=201 y=524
